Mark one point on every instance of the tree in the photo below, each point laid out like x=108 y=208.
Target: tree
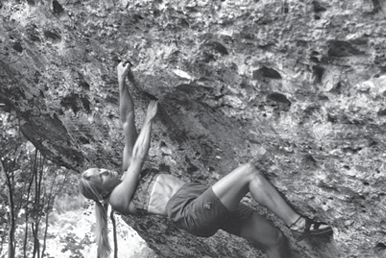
x=32 y=183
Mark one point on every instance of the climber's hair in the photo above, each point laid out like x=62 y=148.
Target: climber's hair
x=90 y=190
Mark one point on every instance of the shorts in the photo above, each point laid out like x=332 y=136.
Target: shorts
x=196 y=209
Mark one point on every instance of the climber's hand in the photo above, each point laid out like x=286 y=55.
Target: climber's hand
x=123 y=69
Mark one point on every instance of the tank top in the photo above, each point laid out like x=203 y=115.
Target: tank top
x=143 y=191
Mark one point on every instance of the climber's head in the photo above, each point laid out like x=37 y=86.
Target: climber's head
x=96 y=183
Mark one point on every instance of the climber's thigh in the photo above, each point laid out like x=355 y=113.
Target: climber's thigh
x=234 y=186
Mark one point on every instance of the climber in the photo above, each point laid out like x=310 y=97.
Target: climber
x=196 y=208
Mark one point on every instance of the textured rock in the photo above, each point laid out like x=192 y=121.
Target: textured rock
x=298 y=84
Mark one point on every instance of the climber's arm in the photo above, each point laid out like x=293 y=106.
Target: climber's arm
x=124 y=191
x=126 y=110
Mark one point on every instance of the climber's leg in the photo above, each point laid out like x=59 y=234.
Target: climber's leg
x=247 y=178
x=257 y=229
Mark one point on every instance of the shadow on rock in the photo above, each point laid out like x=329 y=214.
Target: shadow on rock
x=321 y=246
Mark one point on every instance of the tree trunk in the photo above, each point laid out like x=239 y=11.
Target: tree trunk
x=51 y=198
x=27 y=213
x=11 y=213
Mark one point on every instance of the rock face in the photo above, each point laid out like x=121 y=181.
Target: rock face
x=300 y=85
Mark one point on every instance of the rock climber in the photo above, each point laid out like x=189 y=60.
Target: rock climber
x=197 y=208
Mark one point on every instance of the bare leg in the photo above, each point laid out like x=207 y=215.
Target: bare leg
x=247 y=178
x=231 y=189
x=259 y=230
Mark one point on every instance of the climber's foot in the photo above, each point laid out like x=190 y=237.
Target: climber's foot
x=304 y=227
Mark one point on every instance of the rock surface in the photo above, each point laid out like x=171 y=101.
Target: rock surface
x=300 y=85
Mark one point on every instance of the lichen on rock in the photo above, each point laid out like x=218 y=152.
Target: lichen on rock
x=304 y=81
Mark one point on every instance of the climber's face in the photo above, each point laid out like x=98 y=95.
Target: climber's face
x=105 y=180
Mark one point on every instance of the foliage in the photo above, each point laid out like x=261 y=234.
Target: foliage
x=32 y=183
x=73 y=244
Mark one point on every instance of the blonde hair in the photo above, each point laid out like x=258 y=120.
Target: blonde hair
x=90 y=190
